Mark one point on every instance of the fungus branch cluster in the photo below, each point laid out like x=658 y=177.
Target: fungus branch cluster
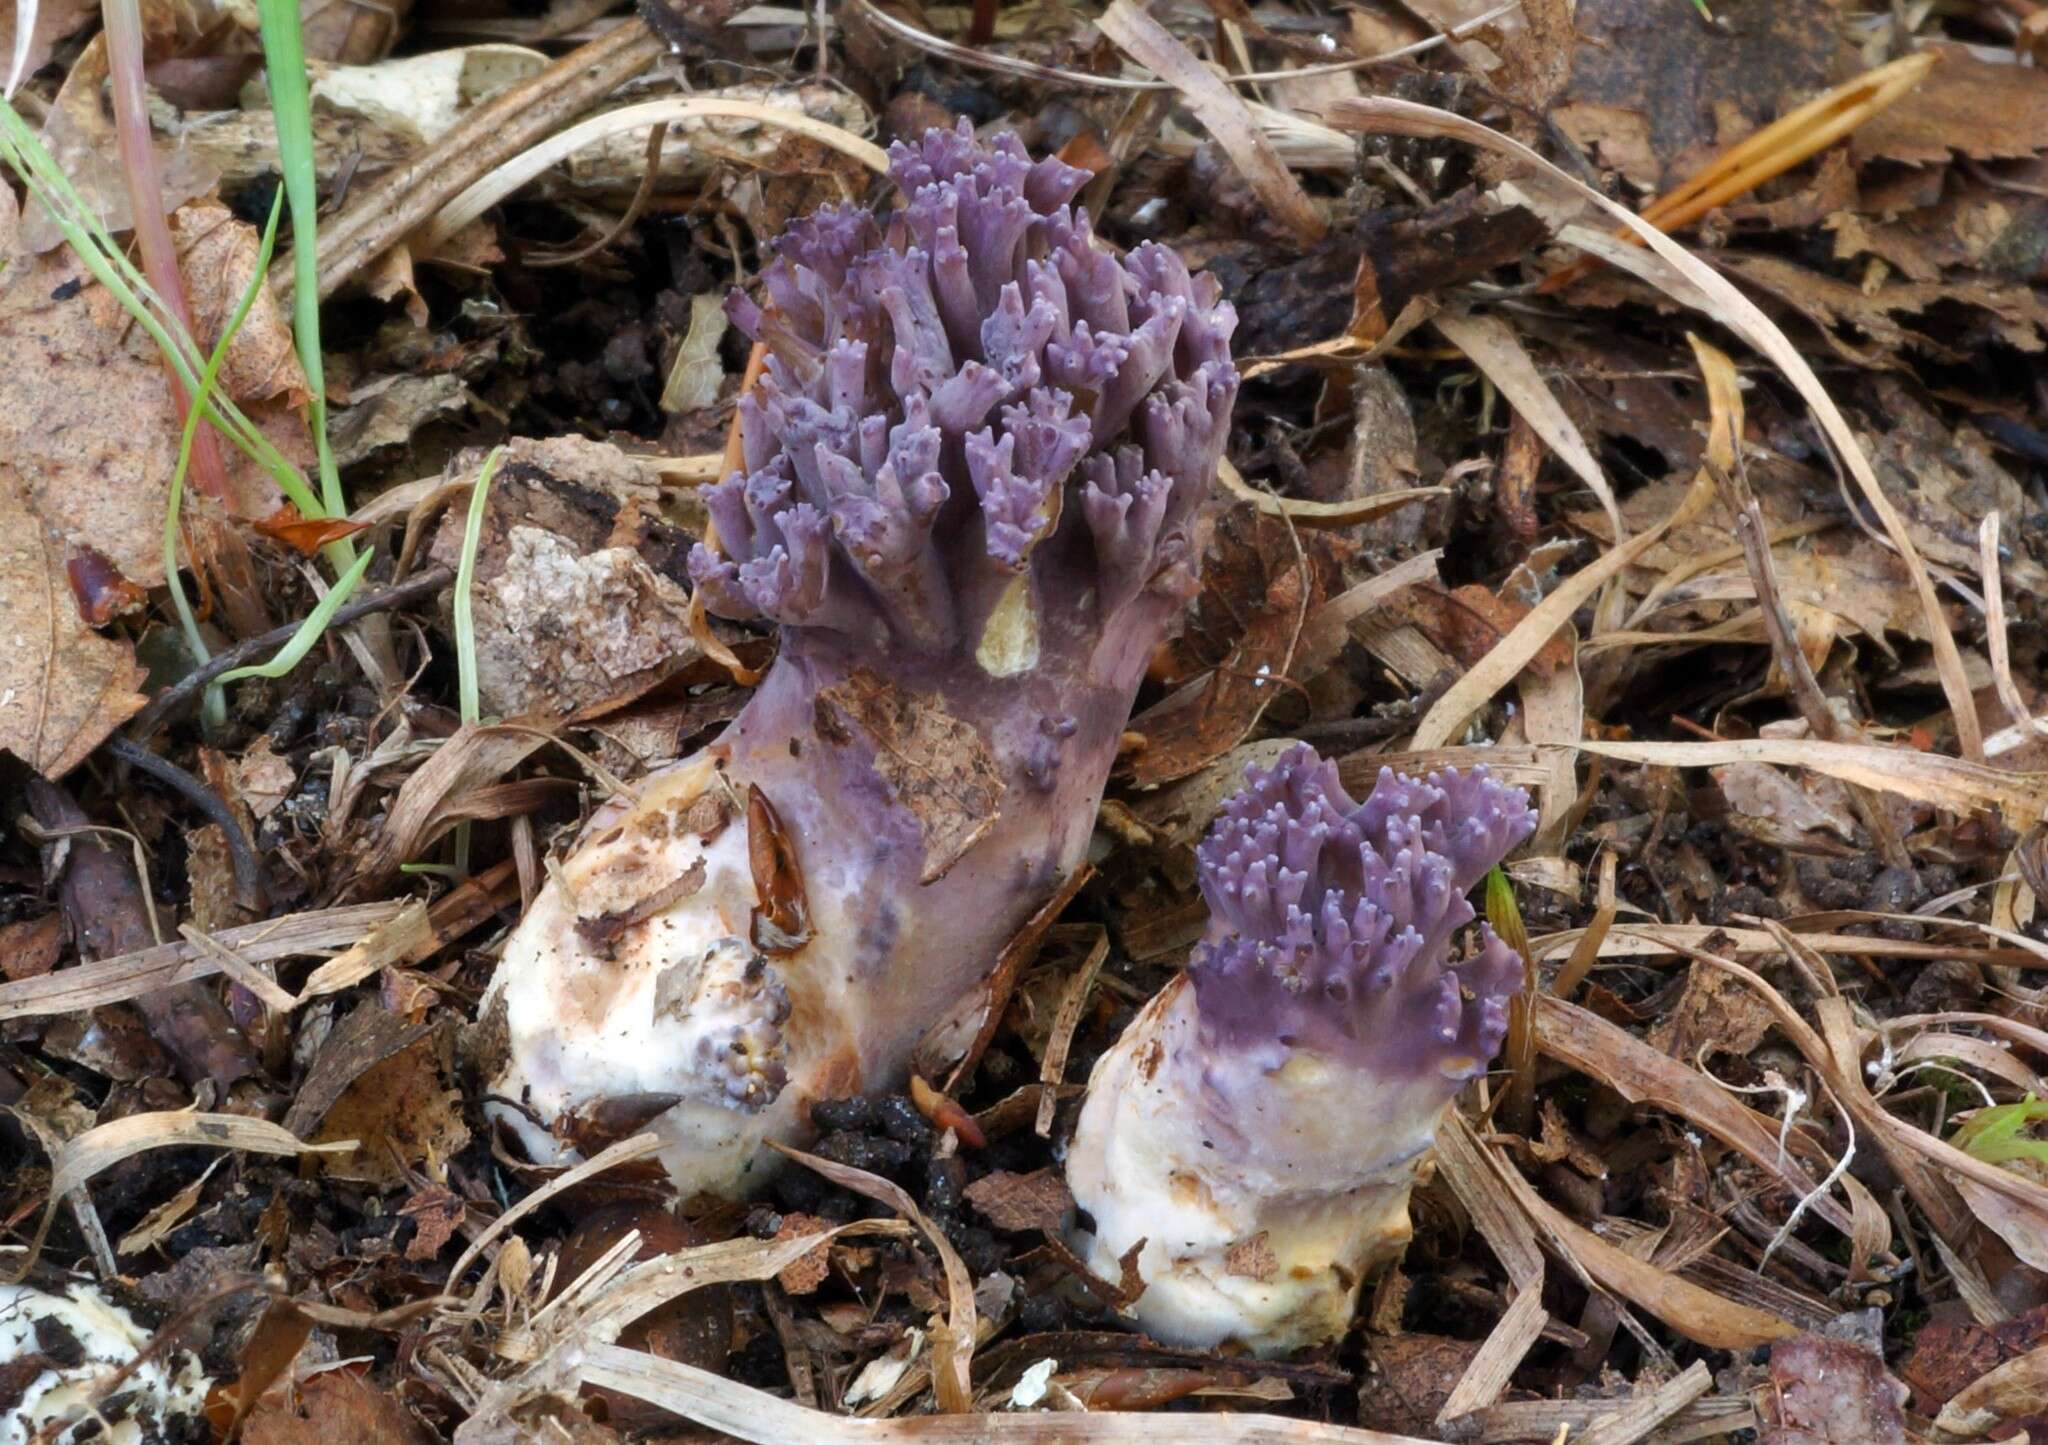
x=1258 y=1125
x=972 y=474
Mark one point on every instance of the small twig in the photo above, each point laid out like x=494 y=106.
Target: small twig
x=413 y=192
x=250 y=889
x=635 y=208
x=1791 y=659
x=423 y=584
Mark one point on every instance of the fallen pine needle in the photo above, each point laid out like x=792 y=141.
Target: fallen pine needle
x=1772 y=151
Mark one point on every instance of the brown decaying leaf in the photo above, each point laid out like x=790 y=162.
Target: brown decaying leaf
x=807 y=1271
x=331 y=1406
x=30 y=947
x=63 y=687
x=1834 y=1392
x=1038 y=1200
x=273 y=1345
x=936 y=765
x=2014 y=1392
x=86 y=422
x=306 y=535
x=362 y=1039
x=401 y=1115
x=1967 y=106
x=1948 y=1356
x=782 y=914
x=1262 y=582
x=1778 y=147
x=1653 y=95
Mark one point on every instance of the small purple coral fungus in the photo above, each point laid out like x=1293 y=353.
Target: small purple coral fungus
x=1258 y=1124
x=972 y=469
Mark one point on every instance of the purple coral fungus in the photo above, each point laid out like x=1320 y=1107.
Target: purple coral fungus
x=1284 y=1088
x=971 y=476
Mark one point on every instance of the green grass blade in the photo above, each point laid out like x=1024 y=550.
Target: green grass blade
x=467 y=696
x=465 y=580
x=284 y=61
x=310 y=631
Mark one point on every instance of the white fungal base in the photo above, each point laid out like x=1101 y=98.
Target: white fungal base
x=56 y=1406
x=1264 y=1190
x=672 y=1003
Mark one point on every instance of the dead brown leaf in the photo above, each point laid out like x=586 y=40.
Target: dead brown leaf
x=86 y=419
x=1949 y=1356
x=1252 y=1259
x=1968 y=106
x=1038 y=1200
x=1469 y=621
x=263 y=779
x=1715 y=1015
x=401 y=1114
x=1261 y=582
x=63 y=687
x=1833 y=1392
x=2014 y=1392
x=306 y=535
x=332 y=1406
x=218 y=255
x=936 y=765
x=361 y=1040
x=436 y=1213
x=1655 y=91
x=30 y=947
x=804 y=1274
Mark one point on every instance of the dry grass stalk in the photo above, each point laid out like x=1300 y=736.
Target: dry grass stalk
x=1675 y=271
x=1222 y=113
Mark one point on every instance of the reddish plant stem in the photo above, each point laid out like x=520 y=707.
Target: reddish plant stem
x=152 y=233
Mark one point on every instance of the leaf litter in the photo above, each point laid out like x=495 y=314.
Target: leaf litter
x=1730 y=545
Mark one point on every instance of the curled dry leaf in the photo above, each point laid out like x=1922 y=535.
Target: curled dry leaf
x=782 y=916
x=63 y=687
x=306 y=535
x=1833 y=1392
